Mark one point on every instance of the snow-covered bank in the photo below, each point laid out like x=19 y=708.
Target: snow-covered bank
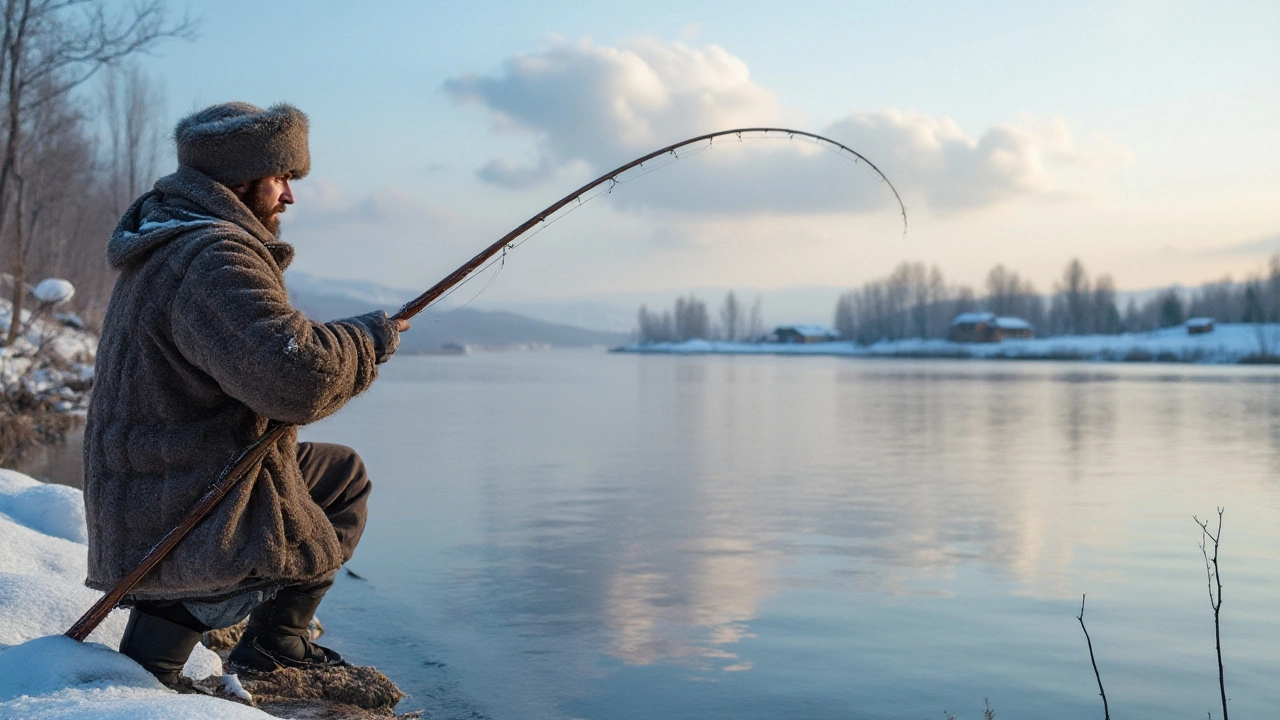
x=51 y=361
x=1228 y=343
x=46 y=675
x=45 y=377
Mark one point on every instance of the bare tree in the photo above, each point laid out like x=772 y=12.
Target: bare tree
x=732 y=320
x=1009 y=295
x=1104 y=316
x=655 y=327
x=1070 y=312
x=48 y=48
x=1004 y=287
x=914 y=301
x=691 y=319
x=755 y=322
x=133 y=102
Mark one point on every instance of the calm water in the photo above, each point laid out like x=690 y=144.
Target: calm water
x=585 y=535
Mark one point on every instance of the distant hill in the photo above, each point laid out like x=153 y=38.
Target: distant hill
x=323 y=299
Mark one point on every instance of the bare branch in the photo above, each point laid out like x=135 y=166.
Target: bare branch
x=1215 y=595
x=1106 y=712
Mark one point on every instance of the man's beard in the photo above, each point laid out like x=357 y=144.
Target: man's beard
x=263 y=209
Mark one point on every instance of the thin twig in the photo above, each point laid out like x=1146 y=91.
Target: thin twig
x=1106 y=712
x=1215 y=595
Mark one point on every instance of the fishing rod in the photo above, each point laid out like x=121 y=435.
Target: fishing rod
x=235 y=470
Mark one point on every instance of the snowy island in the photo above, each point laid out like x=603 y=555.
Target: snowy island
x=1224 y=344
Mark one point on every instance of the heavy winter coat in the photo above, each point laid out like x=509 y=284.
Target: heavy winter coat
x=200 y=347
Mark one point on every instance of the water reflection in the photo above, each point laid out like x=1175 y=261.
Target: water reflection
x=61 y=463
x=732 y=518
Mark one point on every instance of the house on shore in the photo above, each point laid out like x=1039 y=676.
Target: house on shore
x=986 y=327
x=1199 y=325
x=802 y=334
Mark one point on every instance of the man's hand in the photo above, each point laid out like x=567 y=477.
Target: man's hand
x=402 y=325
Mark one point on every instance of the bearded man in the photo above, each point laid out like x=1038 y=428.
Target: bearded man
x=200 y=349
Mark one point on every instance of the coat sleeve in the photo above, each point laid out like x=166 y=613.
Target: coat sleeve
x=231 y=317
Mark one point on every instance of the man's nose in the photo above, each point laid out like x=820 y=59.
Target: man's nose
x=286 y=197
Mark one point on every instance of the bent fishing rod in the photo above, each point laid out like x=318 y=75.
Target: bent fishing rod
x=237 y=468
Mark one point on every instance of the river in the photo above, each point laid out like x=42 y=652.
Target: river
x=576 y=534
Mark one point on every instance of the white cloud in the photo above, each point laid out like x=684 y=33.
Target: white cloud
x=321 y=203
x=601 y=106
x=605 y=105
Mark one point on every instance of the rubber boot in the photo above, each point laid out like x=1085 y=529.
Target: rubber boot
x=276 y=635
x=159 y=645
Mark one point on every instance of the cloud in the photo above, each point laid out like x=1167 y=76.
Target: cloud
x=604 y=105
x=600 y=106
x=322 y=204
x=1269 y=245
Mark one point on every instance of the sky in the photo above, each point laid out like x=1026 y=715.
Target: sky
x=1140 y=137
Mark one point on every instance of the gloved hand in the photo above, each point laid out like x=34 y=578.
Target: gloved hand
x=385 y=332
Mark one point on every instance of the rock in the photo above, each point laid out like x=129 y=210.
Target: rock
x=328 y=693
x=339 y=693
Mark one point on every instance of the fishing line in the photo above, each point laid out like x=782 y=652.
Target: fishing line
x=621 y=178
x=251 y=455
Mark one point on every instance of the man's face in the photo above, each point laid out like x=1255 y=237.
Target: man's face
x=266 y=198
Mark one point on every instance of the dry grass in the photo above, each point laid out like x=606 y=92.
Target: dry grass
x=26 y=421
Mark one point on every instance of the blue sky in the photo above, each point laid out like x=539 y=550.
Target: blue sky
x=1139 y=136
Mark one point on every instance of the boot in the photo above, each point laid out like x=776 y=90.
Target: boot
x=276 y=635
x=159 y=645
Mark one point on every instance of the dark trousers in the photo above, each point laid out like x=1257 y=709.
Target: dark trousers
x=339 y=484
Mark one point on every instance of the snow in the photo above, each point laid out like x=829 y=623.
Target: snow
x=44 y=674
x=973 y=318
x=49 y=362
x=53 y=291
x=1012 y=323
x=1228 y=343
x=811 y=330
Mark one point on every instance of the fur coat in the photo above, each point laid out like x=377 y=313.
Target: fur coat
x=200 y=347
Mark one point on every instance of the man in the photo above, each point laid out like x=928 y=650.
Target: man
x=200 y=348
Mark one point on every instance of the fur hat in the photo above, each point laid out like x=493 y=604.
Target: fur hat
x=236 y=142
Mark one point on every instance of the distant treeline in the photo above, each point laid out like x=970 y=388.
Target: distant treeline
x=690 y=321
x=916 y=301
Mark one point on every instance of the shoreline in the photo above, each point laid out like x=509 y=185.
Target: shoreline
x=42 y=568
x=1228 y=344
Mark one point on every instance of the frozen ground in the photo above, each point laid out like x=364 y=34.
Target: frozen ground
x=44 y=674
x=1228 y=343
x=50 y=363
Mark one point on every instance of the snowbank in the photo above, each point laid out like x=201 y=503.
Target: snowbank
x=44 y=674
x=50 y=363
x=1229 y=343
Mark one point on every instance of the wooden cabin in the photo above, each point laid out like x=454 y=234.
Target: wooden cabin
x=987 y=327
x=1199 y=325
x=803 y=334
